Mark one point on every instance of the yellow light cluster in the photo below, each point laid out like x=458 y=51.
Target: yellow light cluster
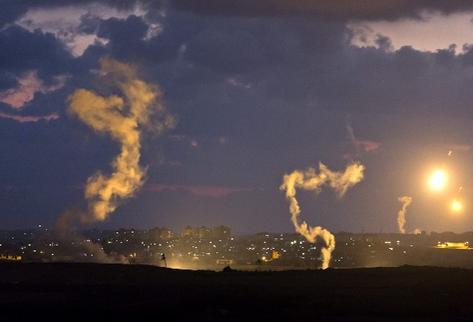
x=437 y=182
x=451 y=245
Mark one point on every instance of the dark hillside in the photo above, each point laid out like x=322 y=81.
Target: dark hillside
x=101 y=292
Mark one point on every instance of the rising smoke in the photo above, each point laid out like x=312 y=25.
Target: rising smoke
x=401 y=215
x=361 y=146
x=310 y=180
x=81 y=245
x=123 y=117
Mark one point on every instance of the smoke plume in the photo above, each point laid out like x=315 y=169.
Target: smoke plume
x=360 y=145
x=122 y=117
x=310 y=180
x=401 y=215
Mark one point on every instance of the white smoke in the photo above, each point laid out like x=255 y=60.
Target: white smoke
x=401 y=215
x=122 y=117
x=310 y=180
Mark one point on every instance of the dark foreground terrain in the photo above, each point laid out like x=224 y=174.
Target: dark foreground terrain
x=101 y=292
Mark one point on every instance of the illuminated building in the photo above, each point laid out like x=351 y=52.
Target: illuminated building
x=13 y=258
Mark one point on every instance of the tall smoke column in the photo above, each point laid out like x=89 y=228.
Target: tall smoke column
x=122 y=117
x=401 y=215
x=313 y=181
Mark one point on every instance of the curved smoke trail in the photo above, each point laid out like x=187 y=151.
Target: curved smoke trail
x=311 y=180
x=401 y=215
x=122 y=117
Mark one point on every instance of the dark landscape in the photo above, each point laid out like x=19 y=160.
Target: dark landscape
x=112 y=292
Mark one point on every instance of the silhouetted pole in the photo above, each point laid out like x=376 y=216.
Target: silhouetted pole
x=163 y=259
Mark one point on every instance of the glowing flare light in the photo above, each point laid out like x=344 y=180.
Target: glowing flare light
x=456 y=206
x=438 y=180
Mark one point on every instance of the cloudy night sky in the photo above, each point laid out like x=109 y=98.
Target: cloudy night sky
x=258 y=89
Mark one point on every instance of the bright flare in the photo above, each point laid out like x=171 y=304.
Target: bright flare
x=438 y=180
x=456 y=206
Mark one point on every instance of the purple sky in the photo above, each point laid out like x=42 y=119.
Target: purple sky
x=259 y=89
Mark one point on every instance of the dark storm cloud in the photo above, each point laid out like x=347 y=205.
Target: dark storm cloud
x=7 y=80
x=128 y=41
x=30 y=64
x=10 y=11
x=126 y=36
x=310 y=62
x=119 y=4
x=23 y=50
x=335 y=9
